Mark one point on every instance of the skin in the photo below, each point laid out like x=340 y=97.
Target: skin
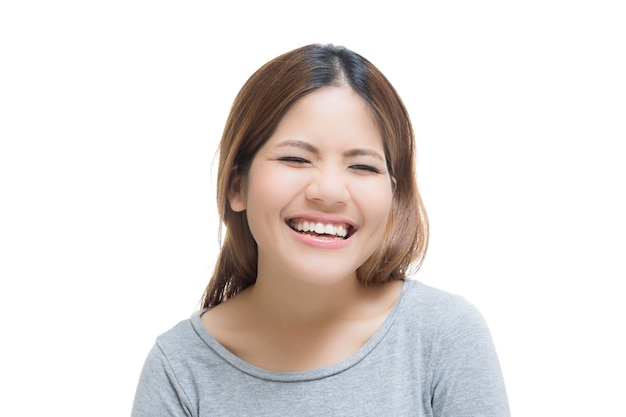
x=323 y=164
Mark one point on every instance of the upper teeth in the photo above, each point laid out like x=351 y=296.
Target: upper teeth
x=320 y=228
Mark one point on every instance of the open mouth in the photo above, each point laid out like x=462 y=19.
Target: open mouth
x=330 y=230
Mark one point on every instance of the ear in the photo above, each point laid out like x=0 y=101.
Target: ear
x=237 y=191
x=394 y=182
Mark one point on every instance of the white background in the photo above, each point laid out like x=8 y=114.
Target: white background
x=110 y=114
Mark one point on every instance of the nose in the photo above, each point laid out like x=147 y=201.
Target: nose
x=328 y=187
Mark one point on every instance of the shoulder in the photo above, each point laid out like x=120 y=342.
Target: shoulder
x=177 y=336
x=462 y=363
x=438 y=306
x=160 y=388
x=443 y=320
x=182 y=344
x=457 y=331
x=181 y=354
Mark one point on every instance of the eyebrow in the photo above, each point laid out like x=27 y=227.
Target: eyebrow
x=310 y=148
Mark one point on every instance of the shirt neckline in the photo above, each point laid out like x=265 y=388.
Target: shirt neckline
x=295 y=376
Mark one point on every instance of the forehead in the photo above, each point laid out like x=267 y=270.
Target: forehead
x=331 y=114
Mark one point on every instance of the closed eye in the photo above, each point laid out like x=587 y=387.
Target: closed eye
x=367 y=168
x=293 y=160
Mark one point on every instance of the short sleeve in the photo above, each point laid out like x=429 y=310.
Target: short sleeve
x=466 y=375
x=158 y=392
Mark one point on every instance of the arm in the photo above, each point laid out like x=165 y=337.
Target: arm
x=466 y=375
x=159 y=393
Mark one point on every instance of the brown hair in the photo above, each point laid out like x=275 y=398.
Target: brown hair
x=257 y=110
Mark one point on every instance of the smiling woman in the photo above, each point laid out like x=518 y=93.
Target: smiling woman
x=311 y=295
x=259 y=110
x=333 y=177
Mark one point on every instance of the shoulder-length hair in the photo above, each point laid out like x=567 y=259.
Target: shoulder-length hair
x=258 y=108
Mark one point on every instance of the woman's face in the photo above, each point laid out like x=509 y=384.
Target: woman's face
x=318 y=194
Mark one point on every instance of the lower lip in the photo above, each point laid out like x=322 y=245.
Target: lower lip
x=319 y=241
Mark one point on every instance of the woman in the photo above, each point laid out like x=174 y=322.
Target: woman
x=310 y=310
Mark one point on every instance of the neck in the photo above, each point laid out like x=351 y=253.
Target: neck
x=293 y=302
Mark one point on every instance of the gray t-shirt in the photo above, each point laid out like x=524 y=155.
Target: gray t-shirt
x=433 y=356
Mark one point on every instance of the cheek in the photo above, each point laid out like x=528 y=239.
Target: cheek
x=375 y=201
x=268 y=192
x=269 y=186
